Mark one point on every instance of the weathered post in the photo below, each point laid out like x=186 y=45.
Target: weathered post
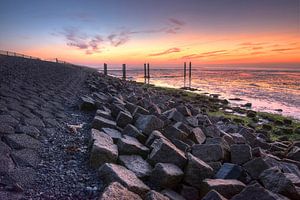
x=105 y=69
x=145 y=72
x=7 y=53
x=148 y=72
x=124 y=71
x=56 y=60
x=15 y=54
x=190 y=74
x=184 y=74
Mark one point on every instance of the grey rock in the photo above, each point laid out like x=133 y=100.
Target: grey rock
x=104 y=114
x=109 y=173
x=174 y=115
x=6 y=129
x=173 y=133
x=88 y=104
x=189 y=192
x=166 y=175
x=123 y=119
x=29 y=130
x=100 y=122
x=20 y=141
x=8 y=120
x=134 y=132
x=130 y=145
x=197 y=135
x=25 y=176
x=256 y=166
x=37 y=122
x=148 y=123
x=113 y=133
x=165 y=151
x=6 y=164
x=196 y=171
x=208 y=152
x=116 y=191
x=240 y=153
x=153 y=136
x=294 y=154
x=172 y=195
x=103 y=149
x=153 y=195
x=136 y=164
x=26 y=158
x=226 y=187
x=212 y=131
x=229 y=171
x=213 y=195
x=184 y=110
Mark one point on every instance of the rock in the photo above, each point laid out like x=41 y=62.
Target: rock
x=165 y=152
x=197 y=135
x=172 y=195
x=181 y=145
x=26 y=158
x=4 y=148
x=196 y=171
x=21 y=141
x=24 y=176
x=29 y=130
x=100 y=122
x=153 y=195
x=294 y=154
x=229 y=171
x=113 y=133
x=153 y=136
x=103 y=149
x=293 y=178
x=140 y=110
x=116 y=191
x=88 y=104
x=123 y=119
x=184 y=110
x=240 y=153
x=189 y=193
x=6 y=164
x=134 y=132
x=226 y=187
x=34 y=122
x=213 y=195
x=116 y=108
x=136 y=164
x=208 y=152
x=255 y=167
x=129 y=145
x=166 y=175
x=183 y=127
x=8 y=120
x=148 y=123
x=173 y=133
x=174 y=115
x=256 y=192
x=104 y=114
x=238 y=138
x=192 y=121
x=212 y=131
x=276 y=181
x=109 y=173
x=6 y=129
x=215 y=165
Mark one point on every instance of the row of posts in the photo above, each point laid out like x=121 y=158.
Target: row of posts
x=147 y=73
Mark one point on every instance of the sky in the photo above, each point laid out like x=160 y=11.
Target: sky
x=165 y=33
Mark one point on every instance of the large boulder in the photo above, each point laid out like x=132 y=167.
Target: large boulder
x=166 y=175
x=294 y=154
x=26 y=158
x=153 y=136
x=103 y=149
x=197 y=135
x=88 y=104
x=212 y=131
x=240 y=153
x=189 y=192
x=130 y=145
x=173 y=133
x=153 y=195
x=226 y=187
x=21 y=141
x=134 y=132
x=137 y=164
x=148 y=123
x=172 y=195
x=229 y=171
x=196 y=171
x=101 y=122
x=276 y=181
x=208 y=152
x=116 y=191
x=213 y=195
x=174 y=115
x=165 y=152
x=113 y=133
x=257 y=192
x=123 y=119
x=256 y=166
x=109 y=173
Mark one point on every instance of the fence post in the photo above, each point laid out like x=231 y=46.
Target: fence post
x=148 y=72
x=15 y=54
x=145 y=72
x=124 y=71
x=7 y=53
x=190 y=74
x=105 y=69
x=184 y=74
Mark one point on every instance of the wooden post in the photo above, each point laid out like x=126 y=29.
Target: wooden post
x=7 y=53
x=124 y=71
x=15 y=54
x=105 y=69
x=145 y=72
x=148 y=72
x=184 y=74
x=190 y=74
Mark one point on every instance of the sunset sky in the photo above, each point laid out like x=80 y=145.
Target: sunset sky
x=162 y=32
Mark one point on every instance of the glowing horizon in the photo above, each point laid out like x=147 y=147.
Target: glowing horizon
x=161 y=33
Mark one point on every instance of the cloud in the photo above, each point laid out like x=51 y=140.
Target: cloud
x=177 y=22
x=117 y=39
x=284 y=49
x=252 y=43
x=205 y=54
x=168 y=51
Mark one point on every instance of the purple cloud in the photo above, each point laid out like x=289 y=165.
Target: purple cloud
x=117 y=39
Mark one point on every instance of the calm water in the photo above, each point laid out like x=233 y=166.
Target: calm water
x=266 y=90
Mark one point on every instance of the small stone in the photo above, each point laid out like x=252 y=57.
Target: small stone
x=123 y=119
x=148 y=123
x=109 y=173
x=165 y=152
x=136 y=164
x=129 y=145
x=166 y=175
x=226 y=187
x=116 y=191
x=240 y=153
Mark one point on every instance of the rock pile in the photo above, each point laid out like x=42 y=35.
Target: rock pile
x=149 y=144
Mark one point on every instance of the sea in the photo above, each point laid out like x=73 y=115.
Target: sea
x=268 y=90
